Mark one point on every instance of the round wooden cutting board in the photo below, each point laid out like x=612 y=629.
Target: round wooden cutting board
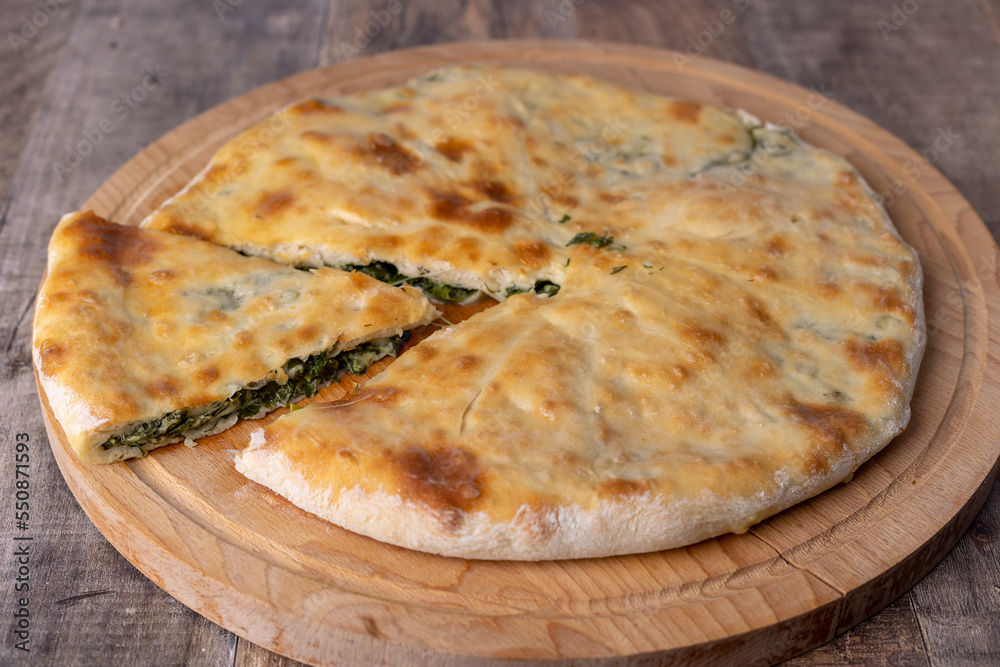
x=248 y=560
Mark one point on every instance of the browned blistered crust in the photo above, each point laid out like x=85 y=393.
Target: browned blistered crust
x=133 y=323
x=414 y=176
x=748 y=335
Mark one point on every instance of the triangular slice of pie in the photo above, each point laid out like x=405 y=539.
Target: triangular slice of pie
x=655 y=402
x=469 y=178
x=143 y=338
x=751 y=336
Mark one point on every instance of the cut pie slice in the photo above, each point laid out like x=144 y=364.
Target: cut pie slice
x=470 y=178
x=654 y=402
x=720 y=321
x=143 y=338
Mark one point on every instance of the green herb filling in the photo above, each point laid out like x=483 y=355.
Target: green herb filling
x=591 y=239
x=541 y=287
x=305 y=377
x=388 y=273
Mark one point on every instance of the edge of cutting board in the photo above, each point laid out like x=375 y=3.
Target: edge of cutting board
x=251 y=562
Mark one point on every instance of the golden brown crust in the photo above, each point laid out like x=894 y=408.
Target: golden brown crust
x=740 y=330
x=632 y=398
x=748 y=336
x=132 y=324
x=484 y=198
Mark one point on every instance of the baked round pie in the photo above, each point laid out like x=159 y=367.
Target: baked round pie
x=701 y=319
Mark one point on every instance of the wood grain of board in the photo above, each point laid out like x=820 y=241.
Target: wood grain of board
x=286 y=580
x=938 y=70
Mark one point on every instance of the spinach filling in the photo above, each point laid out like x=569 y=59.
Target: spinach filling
x=592 y=239
x=541 y=287
x=305 y=377
x=388 y=273
x=764 y=142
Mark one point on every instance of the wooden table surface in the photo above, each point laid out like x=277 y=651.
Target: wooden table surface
x=85 y=84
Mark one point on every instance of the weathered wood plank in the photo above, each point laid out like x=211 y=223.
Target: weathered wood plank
x=693 y=28
x=927 y=74
x=357 y=28
x=33 y=39
x=129 y=72
x=890 y=638
x=249 y=654
x=938 y=70
x=959 y=601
